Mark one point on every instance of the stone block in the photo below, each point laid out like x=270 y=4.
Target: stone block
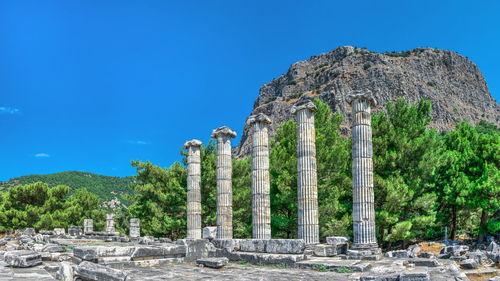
x=59 y=231
x=53 y=248
x=414 y=276
x=29 y=231
x=322 y=250
x=169 y=250
x=399 y=254
x=424 y=262
x=213 y=262
x=91 y=253
x=197 y=248
x=22 y=258
x=65 y=272
x=96 y=272
x=455 y=250
x=334 y=240
x=253 y=245
x=75 y=231
x=285 y=246
x=469 y=264
x=426 y=255
x=413 y=250
x=228 y=245
x=264 y=258
x=209 y=232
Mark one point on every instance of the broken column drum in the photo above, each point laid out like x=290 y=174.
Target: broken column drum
x=134 y=228
x=193 y=189
x=88 y=226
x=110 y=222
x=363 y=213
x=307 y=186
x=261 y=203
x=224 y=182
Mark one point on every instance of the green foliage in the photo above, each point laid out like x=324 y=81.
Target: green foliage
x=343 y=269
x=37 y=205
x=366 y=66
x=431 y=84
x=104 y=186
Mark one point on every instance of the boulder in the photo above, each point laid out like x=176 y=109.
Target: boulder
x=65 y=272
x=253 y=245
x=399 y=254
x=413 y=250
x=96 y=272
x=209 y=232
x=285 y=246
x=59 y=231
x=469 y=264
x=213 y=262
x=325 y=250
x=493 y=252
x=22 y=258
x=479 y=256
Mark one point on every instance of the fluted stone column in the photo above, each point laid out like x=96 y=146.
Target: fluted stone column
x=307 y=176
x=224 y=182
x=88 y=226
x=363 y=213
x=110 y=222
x=194 y=189
x=135 y=228
x=261 y=203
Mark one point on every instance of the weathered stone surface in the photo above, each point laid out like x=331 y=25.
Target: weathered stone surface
x=134 y=227
x=469 y=264
x=90 y=253
x=65 y=272
x=194 y=189
x=59 y=231
x=169 y=250
x=285 y=246
x=213 y=262
x=426 y=255
x=413 y=250
x=493 y=252
x=455 y=250
x=88 y=226
x=253 y=245
x=197 y=248
x=400 y=254
x=29 y=231
x=53 y=248
x=334 y=240
x=209 y=232
x=228 y=245
x=265 y=258
x=414 y=276
x=322 y=250
x=75 y=231
x=110 y=223
x=22 y=258
x=95 y=272
x=424 y=262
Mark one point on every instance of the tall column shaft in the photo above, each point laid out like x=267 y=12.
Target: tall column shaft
x=224 y=182
x=110 y=222
x=308 y=226
x=88 y=226
x=135 y=228
x=194 y=189
x=261 y=203
x=362 y=172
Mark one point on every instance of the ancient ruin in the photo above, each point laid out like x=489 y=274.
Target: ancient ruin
x=224 y=182
x=307 y=188
x=194 y=189
x=261 y=203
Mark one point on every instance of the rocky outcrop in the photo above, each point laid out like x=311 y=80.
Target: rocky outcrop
x=454 y=85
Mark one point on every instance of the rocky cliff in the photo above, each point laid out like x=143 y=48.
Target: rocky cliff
x=454 y=85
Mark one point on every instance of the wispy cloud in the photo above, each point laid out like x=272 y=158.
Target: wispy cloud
x=137 y=142
x=9 y=110
x=42 y=155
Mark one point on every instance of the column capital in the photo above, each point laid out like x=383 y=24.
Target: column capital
x=258 y=118
x=361 y=95
x=301 y=105
x=193 y=142
x=223 y=131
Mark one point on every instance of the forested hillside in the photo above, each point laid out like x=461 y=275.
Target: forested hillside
x=105 y=187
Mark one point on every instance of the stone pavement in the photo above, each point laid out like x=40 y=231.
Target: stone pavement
x=37 y=273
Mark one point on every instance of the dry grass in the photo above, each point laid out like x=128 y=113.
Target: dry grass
x=434 y=248
x=480 y=277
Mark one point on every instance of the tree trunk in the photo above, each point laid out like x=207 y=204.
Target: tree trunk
x=482 y=225
x=453 y=222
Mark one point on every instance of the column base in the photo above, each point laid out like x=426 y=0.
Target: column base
x=364 y=252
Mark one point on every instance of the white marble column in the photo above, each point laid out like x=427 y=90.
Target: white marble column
x=134 y=228
x=307 y=174
x=261 y=203
x=194 y=189
x=88 y=226
x=110 y=222
x=224 y=182
x=363 y=213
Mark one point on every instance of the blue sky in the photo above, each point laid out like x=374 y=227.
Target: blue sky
x=90 y=85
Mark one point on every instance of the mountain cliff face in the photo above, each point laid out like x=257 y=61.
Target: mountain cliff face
x=454 y=85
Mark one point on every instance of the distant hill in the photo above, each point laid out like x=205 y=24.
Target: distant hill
x=105 y=187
